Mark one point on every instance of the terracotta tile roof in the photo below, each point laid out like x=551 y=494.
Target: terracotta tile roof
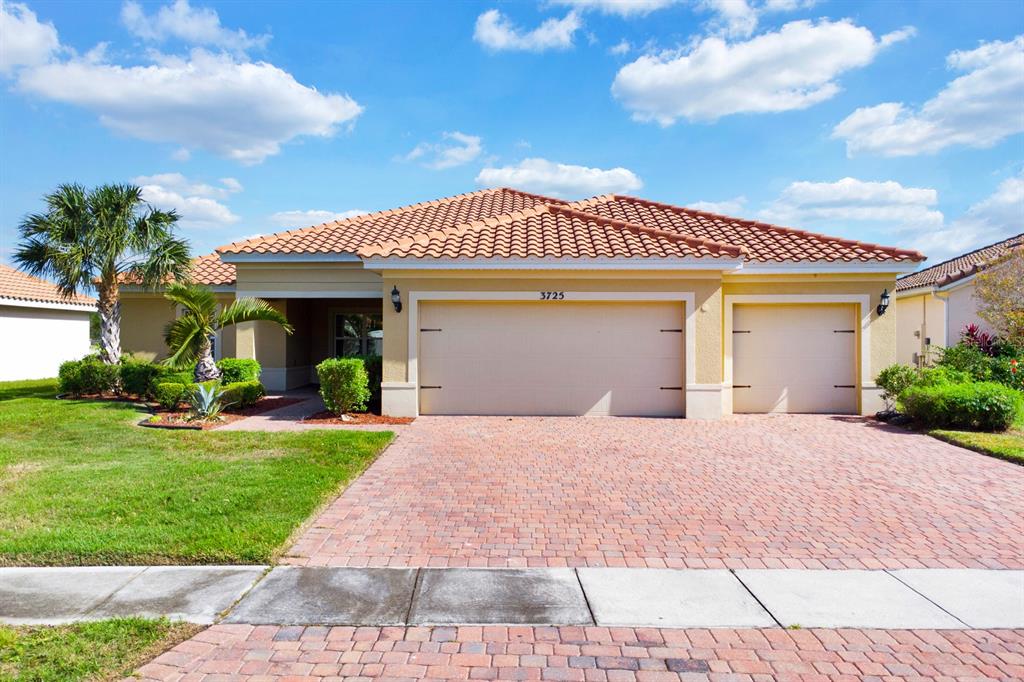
x=208 y=270
x=20 y=286
x=550 y=231
x=962 y=266
x=765 y=242
x=349 y=235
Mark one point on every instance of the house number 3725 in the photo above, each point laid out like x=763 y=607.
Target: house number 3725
x=552 y=295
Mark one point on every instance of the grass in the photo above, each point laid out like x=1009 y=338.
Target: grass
x=81 y=484
x=1008 y=445
x=100 y=650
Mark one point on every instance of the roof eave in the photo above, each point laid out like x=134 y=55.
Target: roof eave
x=660 y=264
x=827 y=267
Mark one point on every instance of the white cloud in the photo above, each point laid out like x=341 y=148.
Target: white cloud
x=195 y=26
x=792 y=68
x=456 y=149
x=851 y=199
x=233 y=108
x=195 y=202
x=297 y=219
x=181 y=154
x=495 y=31
x=559 y=179
x=620 y=48
x=978 y=109
x=179 y=183
x=24 y=40
x=623 y=8
x=731 y=207
x=733 y=17
x=998 y=216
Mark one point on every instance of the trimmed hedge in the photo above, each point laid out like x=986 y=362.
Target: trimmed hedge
x=237 y=370
x=138 y=376
x=375 y=373
x=985 y=405
x=242 y=394
x=89 y=376
x=344 y=384
x=170 y=394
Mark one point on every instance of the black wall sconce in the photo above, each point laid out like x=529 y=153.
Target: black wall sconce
x=396 y=299
x=883 y=303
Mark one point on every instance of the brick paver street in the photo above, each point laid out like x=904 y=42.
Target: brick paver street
x=808 y=491
x=241 y=652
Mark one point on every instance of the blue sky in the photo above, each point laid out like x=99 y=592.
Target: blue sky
x=897 y=123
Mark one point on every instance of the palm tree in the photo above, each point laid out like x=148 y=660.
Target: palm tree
x=189 y=335
x=101 y=237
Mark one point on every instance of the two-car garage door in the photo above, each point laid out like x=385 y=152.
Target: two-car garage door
x=794 y=358
x=552 y=358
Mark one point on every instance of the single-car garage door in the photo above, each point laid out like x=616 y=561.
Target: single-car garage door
x=551 y=358
x=794 y=358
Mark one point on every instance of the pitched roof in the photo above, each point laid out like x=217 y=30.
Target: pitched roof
x=461 y=226
x=21 y=286
x=349 y=235
x=764 y=242
x=962 y=266
x=209 y=270
x=550 y=231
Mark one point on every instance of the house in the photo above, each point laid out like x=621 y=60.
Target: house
x=40 y=328
x=505 y=302
x=936 y=304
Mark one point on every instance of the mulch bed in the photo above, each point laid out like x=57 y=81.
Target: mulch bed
x=357 y=419
x=179 y=419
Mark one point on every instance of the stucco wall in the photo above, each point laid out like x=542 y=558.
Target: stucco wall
x=143 y=318
x=37 y=340
x=307 y=279
x=962 y=311
x=919 y=319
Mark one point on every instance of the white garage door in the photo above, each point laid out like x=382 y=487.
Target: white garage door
x=794 y=358
x=554 y=358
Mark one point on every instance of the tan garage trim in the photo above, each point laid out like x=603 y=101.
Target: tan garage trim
x=867 y=390
x=408 y=390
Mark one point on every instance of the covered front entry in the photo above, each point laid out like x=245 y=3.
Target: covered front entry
x=794 y=358
x=552 y=358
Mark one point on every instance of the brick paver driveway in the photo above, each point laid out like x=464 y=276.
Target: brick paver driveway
x=752 y=492
x=243 y=652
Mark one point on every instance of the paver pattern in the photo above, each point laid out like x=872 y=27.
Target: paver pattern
x=764 y=491
x=241 y=652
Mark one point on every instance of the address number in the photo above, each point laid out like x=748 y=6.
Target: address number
x=552 y=295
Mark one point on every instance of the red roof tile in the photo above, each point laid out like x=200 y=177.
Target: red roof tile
x=21 y=286
x=962 y=266
x=550 y=231
x=208 y=270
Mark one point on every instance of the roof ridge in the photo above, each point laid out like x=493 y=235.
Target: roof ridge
x=691 y=240
x=910 y=253
x=377 y=214
x=963 y=255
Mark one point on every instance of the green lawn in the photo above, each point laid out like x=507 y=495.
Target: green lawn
x=81 y=484
x=103 y=650
x=1008 y=445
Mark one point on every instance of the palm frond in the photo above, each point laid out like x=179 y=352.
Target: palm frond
x=252 y=310
x=184 y=337
x=199 y=301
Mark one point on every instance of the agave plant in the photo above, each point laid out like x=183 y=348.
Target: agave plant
x=206 y=402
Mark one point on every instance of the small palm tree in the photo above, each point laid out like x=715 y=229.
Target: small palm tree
x=189 y=336
x=98 y=238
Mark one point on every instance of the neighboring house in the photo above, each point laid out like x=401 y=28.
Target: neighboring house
x=935 y=305
x=40 y=328
x=505 y=302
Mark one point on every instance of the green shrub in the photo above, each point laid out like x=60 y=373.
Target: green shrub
x=986 y=406
x=375 y=373
x=137 y=377
x=235 y=370
x=242 y=394
x=344 y=384
x=170 y=394
x=893 y=380
x=965 y=357
x=942 y=376
x=89 y=376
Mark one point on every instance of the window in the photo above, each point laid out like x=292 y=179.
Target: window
x=357 y=334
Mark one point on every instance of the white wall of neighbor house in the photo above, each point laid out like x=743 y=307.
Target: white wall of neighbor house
x=37 y=340
x=961 y=311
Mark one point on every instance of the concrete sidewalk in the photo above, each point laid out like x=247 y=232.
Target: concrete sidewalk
x=663 y=598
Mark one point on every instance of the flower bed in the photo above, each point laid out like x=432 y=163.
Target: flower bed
x=354 y=419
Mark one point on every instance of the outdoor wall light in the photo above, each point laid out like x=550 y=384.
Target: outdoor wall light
x=396 y=299
x=883 y=302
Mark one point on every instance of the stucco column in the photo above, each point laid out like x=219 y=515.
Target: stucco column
x=245 y=340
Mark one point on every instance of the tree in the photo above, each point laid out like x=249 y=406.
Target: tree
x=999 y=290
x=189 y=336
x=99 y=237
